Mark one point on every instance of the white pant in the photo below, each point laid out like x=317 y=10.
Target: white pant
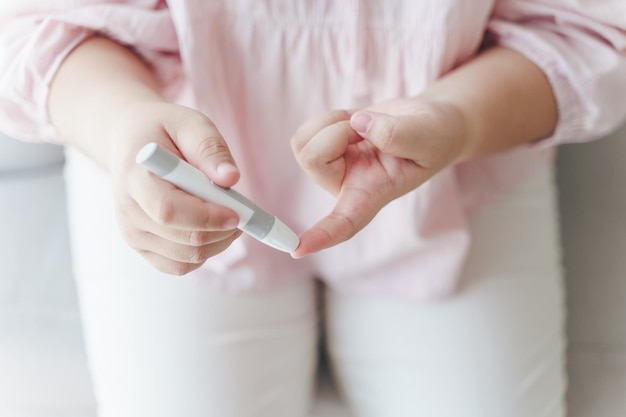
x=163 y=346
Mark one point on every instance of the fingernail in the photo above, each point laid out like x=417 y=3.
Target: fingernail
x=361 y=122
x=226 y=168
x=230 y=223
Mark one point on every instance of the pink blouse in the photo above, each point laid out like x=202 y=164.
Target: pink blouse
x=259 y=69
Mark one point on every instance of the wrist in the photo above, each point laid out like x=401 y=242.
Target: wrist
x=94 y=85
x=459 y=127
x=503 y=100
x=468 y=132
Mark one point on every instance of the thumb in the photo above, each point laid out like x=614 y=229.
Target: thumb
x=431 y=134
x=215 y=160
x=203 y=146
x=395 y=135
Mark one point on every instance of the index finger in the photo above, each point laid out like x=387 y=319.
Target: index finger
x=354 y=209
x=312 y=126
x=169 y=206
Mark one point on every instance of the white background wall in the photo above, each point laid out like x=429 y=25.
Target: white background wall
x=42 y=365
x=592 y=182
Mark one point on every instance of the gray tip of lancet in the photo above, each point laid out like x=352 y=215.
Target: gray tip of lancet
x=157 y=159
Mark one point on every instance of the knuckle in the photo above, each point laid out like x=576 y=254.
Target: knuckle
x=297 y=142
x=131 y=236
x=197 y=238
x=194 y=121
x=308 y=161
x=212 y=147
x=125 y=209
x=134 y=236
x=386 y=136
x=179 y=268
x=196 y=256
x=169 y=267
x=122 y=209
x=164 y=210
x=344 y=129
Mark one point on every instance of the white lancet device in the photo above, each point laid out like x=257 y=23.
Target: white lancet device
x=252 y=219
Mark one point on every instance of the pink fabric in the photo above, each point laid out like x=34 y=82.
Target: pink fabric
x=261 y=68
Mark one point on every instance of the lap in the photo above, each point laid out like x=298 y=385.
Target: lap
x=161 y=345
x=495 y=348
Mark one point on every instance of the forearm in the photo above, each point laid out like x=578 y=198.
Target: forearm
x=504 y=100
x=93 y=84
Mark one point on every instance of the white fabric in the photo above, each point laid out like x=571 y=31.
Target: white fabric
x=164 y=346
x=495 y=350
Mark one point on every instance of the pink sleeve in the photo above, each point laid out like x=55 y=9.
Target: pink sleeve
x=35 y=40
x=581 y=47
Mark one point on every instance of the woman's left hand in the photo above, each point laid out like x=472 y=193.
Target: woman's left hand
x=372 y=156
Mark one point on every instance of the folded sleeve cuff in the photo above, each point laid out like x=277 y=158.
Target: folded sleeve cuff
x=583 y=59
x=33 y=46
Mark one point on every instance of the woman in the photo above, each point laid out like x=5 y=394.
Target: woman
x=425 y=203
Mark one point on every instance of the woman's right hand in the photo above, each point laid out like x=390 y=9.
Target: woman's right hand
x=175 y=231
